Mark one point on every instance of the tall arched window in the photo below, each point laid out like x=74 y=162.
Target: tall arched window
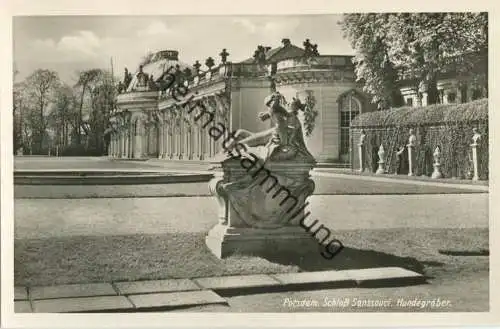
x=349 y=107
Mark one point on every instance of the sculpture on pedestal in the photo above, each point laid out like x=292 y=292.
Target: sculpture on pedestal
x=196 y=67
x=142 y=78
x=264 y=185
x=412 y=142
x=381 y=160
x=223 y=56
x=437 y=163
x=127 y=78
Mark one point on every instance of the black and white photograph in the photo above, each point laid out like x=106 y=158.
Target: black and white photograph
x=240 y=163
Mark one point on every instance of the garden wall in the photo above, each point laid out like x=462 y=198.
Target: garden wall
x=447 y=126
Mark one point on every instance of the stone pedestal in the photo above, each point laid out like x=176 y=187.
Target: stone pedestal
x=411 y=153
x=361 y=150
x=475 y=161
x=261 y=208
x=224 y=241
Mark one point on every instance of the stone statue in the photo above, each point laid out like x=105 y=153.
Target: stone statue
x=223 y=55
x=120 y=88
x=196 y=67
x=412 y=140
x=259 y=55
x=437 y=155
x=362 y=138
x=264 y=185
x=285 y=140
x=127 y=78
x=476 y=136
x=142 y=78
x=152 y=84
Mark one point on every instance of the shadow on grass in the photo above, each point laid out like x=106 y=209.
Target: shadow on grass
x=348 y=259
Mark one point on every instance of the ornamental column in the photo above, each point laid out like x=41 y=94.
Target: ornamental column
x=161 y=136
x=122 y=151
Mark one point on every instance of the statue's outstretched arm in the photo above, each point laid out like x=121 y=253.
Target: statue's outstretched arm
x=260 y=138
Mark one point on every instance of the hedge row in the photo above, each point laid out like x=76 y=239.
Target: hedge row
x=446 y=126
x=429 y=115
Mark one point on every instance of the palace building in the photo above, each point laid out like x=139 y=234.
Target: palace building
x=153 y=118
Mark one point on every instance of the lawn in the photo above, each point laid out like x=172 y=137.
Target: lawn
x=76 y=259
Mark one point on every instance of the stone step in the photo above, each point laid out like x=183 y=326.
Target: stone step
x=155 y=286
x=172 y=300
x=72 y=290
x=83 y=305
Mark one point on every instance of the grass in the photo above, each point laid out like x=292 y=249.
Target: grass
x=81 y=259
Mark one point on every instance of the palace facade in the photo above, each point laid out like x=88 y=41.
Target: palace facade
x=152 y=119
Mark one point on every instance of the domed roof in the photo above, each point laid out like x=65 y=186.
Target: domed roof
x=158 y=65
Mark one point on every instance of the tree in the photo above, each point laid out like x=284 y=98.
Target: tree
x=17 y=103
x=368 y=37
x=103 y=99
x=419 y=44
x=39 y=87
x=64 y=117
x=86 y=79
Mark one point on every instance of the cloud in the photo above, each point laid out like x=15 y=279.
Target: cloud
x=85 y=42
x=246 y=24
x=79 y=46
x=268 y=30
x=155 y=28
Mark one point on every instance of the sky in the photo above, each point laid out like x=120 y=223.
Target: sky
x=67 y=44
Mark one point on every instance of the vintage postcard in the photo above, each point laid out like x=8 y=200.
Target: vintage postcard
x=173 y=164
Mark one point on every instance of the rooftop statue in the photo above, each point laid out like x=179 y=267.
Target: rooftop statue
x=127 y=78
x=142 y=78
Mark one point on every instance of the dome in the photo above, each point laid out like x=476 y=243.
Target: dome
x=159 y=64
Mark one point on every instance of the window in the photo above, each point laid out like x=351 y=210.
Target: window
x=349 y=108
x=409 y=101
x=441 y=96
x=463 y=94
x=476 y=94
x=451 y=97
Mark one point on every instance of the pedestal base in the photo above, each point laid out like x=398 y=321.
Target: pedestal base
x=437 y=173
x=224 y=241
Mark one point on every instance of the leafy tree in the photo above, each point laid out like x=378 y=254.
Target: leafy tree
x=367 y=34
x=86 y=80
x=419 y=44
x=39 y=87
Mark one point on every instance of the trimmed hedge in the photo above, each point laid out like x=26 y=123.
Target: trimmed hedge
x=447 y=126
